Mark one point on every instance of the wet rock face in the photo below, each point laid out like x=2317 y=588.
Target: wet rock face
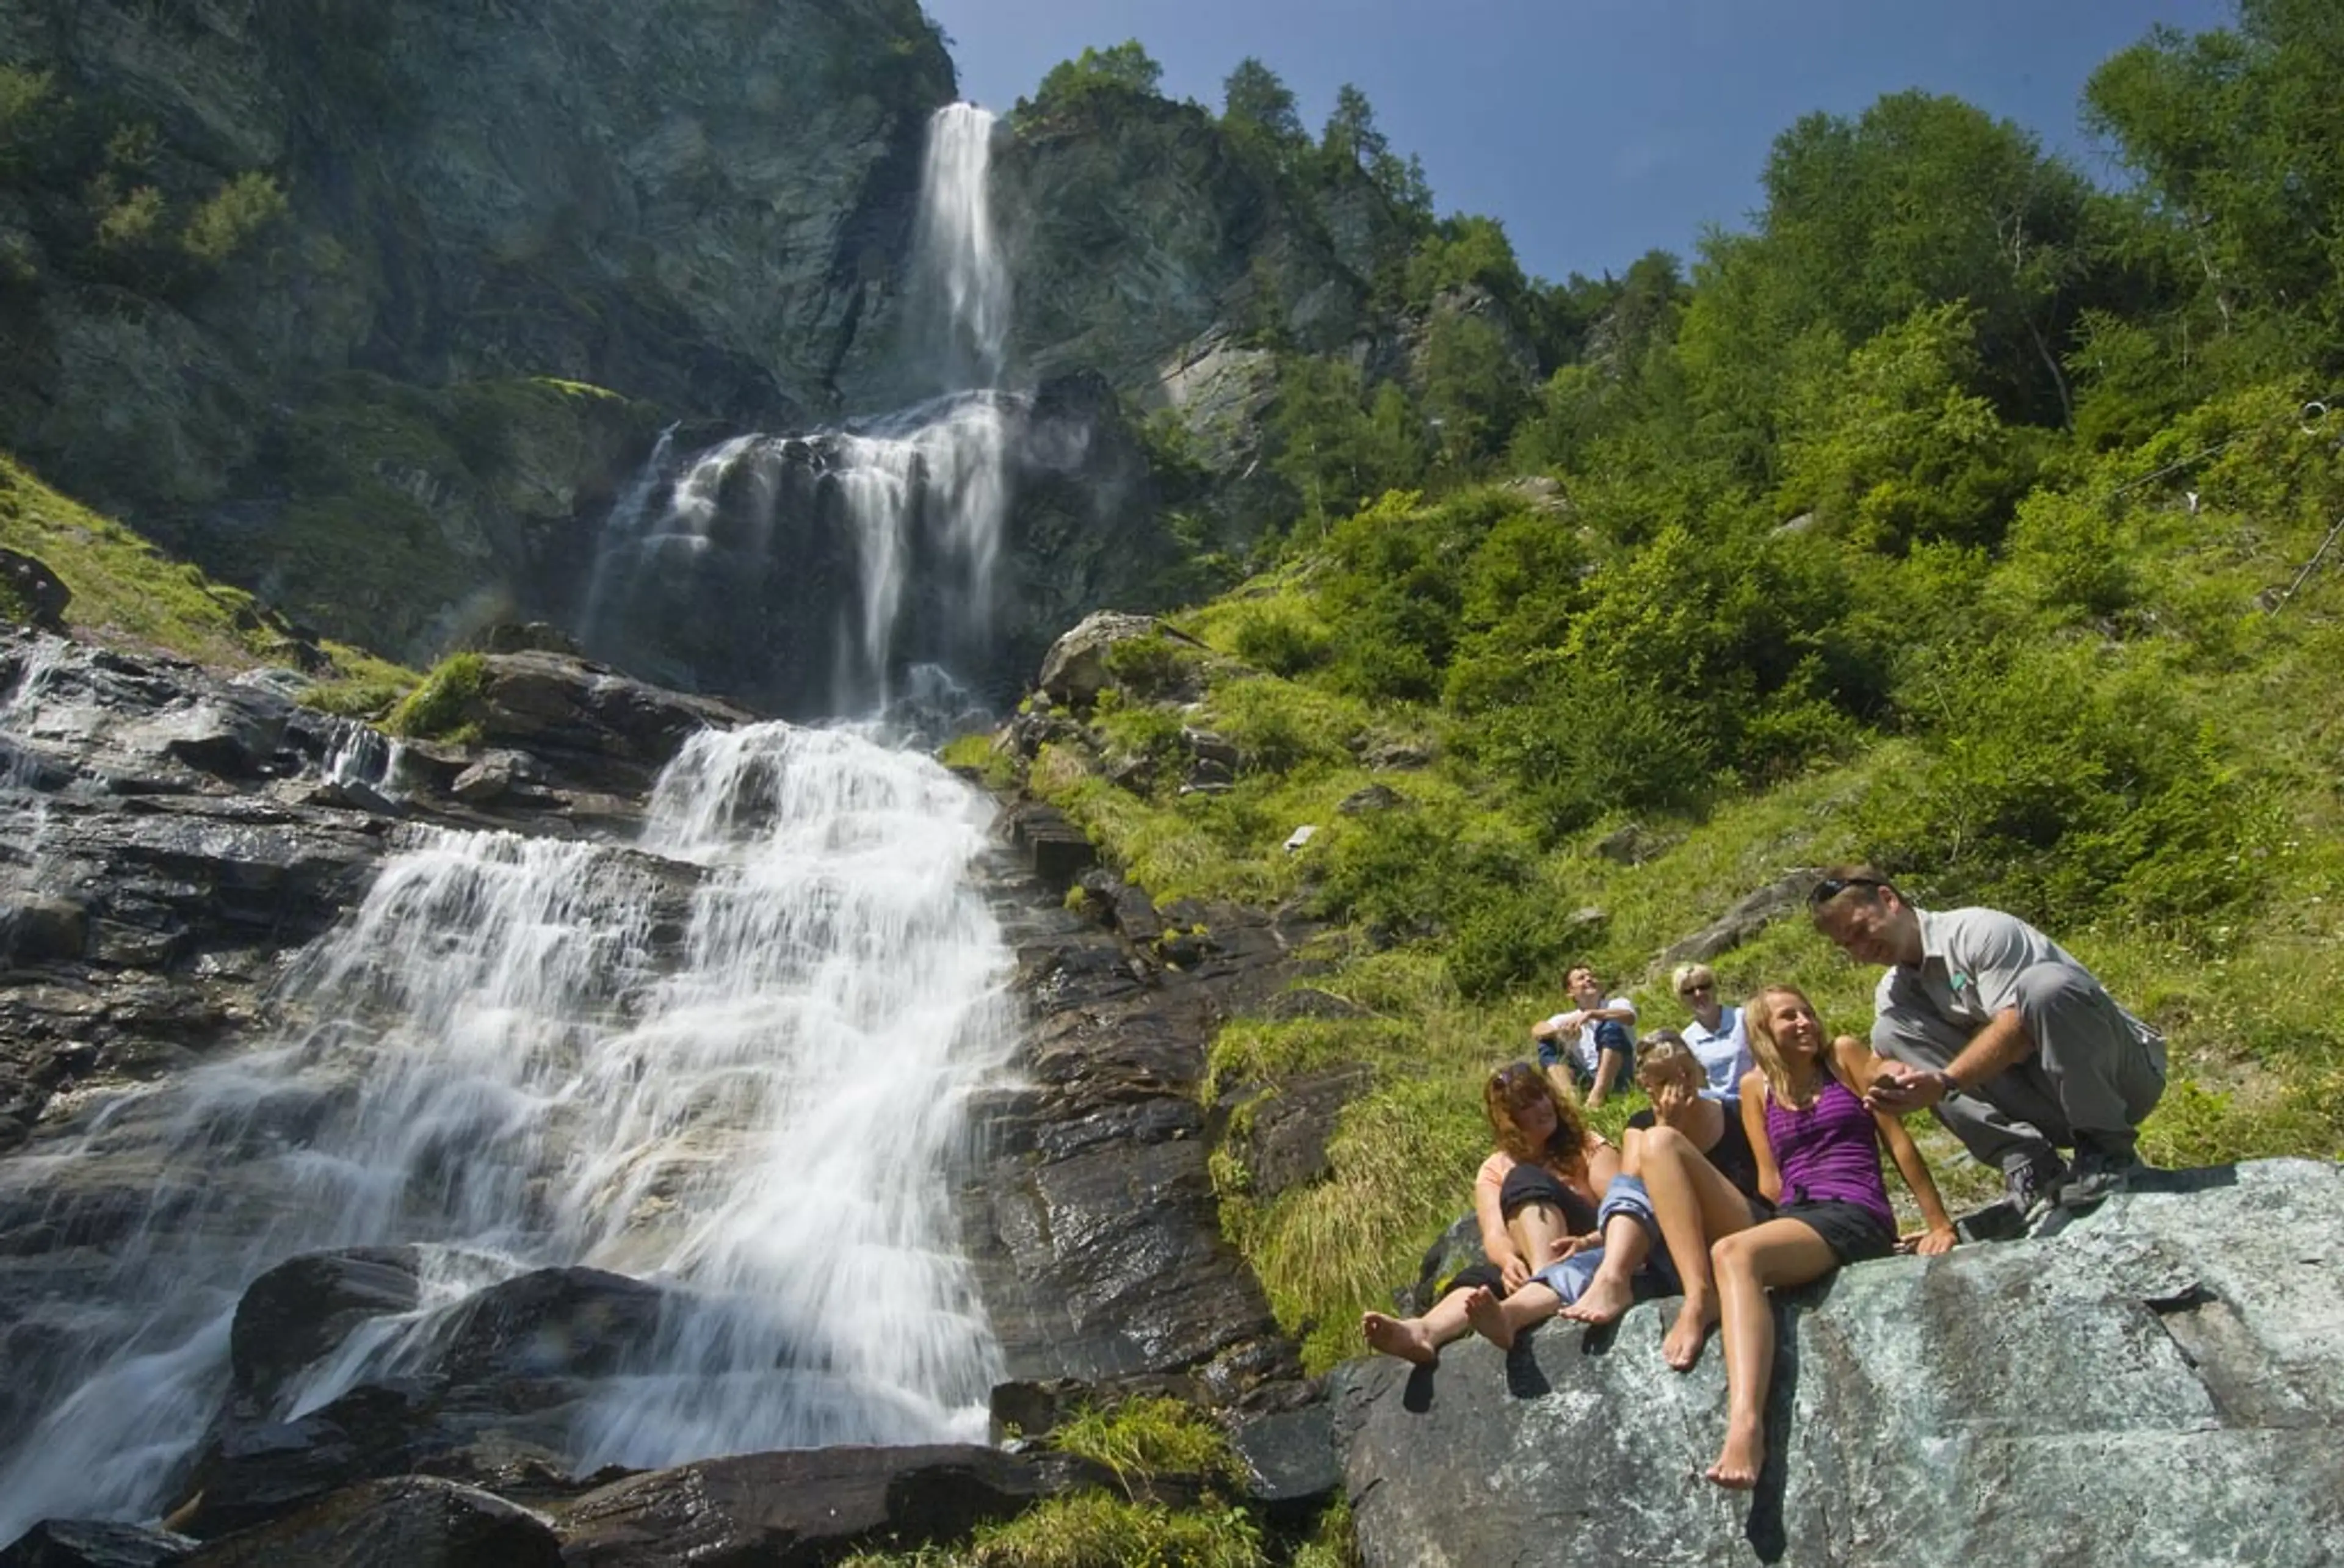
x=162 y=860
x=1095 y=1228
x=2160 y=1382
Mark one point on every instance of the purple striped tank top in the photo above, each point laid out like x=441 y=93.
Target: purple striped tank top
x=1830 y=1152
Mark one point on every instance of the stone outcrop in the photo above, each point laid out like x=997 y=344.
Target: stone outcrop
x=2159 y=1383
x=1093 y=1225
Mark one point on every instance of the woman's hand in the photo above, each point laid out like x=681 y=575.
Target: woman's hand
x=1932 y=1243
x=1563 y=1247
x=1515 y=1272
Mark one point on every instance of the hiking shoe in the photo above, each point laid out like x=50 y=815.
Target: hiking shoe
x=2101 y=1170
x=2033 y=1187
x=2028 y=1191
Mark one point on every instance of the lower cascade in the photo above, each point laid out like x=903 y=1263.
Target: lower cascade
x=684 y=1062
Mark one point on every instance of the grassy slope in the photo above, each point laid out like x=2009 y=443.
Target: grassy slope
x=2246 y=997
x=127 y=591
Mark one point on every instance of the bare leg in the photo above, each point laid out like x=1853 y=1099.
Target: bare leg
x=1747 y=1265
x=1613 y=1290
x=1418 y=1339
x=1499 y=1322
x=1536 y=1228
x=1607 y=1072
x=1696 y=1206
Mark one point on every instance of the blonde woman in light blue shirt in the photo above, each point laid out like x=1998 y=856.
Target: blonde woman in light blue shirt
x=1715 y=1034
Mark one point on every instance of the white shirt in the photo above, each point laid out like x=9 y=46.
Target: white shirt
x=1582 y=1044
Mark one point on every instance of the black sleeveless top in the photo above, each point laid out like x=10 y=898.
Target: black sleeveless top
x=1731 y=1154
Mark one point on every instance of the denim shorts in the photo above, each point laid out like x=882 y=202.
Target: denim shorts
x=1658 y=1276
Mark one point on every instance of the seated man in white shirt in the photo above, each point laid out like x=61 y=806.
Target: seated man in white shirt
x=1595 y=1042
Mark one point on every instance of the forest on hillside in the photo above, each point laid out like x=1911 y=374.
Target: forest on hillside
x=1959 y=514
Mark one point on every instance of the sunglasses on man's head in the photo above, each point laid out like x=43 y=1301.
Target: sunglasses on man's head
x=1831 y=887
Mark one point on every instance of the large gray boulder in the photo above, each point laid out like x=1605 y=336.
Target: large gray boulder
x=2161 y=1381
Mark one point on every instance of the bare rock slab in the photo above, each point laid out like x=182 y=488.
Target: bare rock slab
x=2160 y=1382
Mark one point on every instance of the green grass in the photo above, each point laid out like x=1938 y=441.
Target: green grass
x=1095 y=1530
x=1150 y=1435
x=127 y=591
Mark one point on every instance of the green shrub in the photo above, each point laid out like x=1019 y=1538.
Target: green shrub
x=1281 y=639
x=126 y=222
x=237 y=213
x=443 y=706
x=25 y=112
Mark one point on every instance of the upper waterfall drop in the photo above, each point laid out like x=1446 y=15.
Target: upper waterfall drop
x=958 y=271
x=810 y=573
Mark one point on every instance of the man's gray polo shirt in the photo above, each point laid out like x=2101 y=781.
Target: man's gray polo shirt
x=1971 y=960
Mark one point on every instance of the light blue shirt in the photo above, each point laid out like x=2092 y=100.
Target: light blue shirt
x=1724 y=1052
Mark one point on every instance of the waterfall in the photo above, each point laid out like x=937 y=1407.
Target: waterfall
x=505 y=1060
x=957 y=268
x=699 y=559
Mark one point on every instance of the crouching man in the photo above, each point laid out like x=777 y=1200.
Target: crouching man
x=2012 y=1043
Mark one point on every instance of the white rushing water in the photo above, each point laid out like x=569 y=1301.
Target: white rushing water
x=923 y=488
x=507 y=1063
x=959 y=272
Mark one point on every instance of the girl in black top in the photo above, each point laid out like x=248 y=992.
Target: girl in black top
x=1688 y=1144
x=1597 y=1285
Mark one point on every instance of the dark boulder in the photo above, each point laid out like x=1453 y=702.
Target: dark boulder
x=588 y=723
x=1749 y=917
x=808 y=1507
x=305 y=1307
x=96 y=1544
x=549 y=1322
x=1059 y=851
x=39 y=592
x=1292 y=1468
x=491 y=1405
x=408 y=1522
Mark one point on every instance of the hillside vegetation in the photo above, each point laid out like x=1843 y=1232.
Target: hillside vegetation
x=125 y=591
x=1960 y=516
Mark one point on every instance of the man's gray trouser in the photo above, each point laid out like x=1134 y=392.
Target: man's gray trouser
x=2089 y=1073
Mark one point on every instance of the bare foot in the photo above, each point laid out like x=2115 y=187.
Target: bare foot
x=1690 y=1332
x=1488 y=1318
x=1738 y=1462
x=1401 y=1337
x=1604 y=1301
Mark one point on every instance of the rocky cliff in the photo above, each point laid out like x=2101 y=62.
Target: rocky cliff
x=302 y=287
x=377 y=310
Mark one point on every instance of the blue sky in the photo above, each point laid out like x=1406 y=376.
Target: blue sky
x=1596 y=129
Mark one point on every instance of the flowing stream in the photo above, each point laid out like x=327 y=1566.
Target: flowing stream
x=510 y=1065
